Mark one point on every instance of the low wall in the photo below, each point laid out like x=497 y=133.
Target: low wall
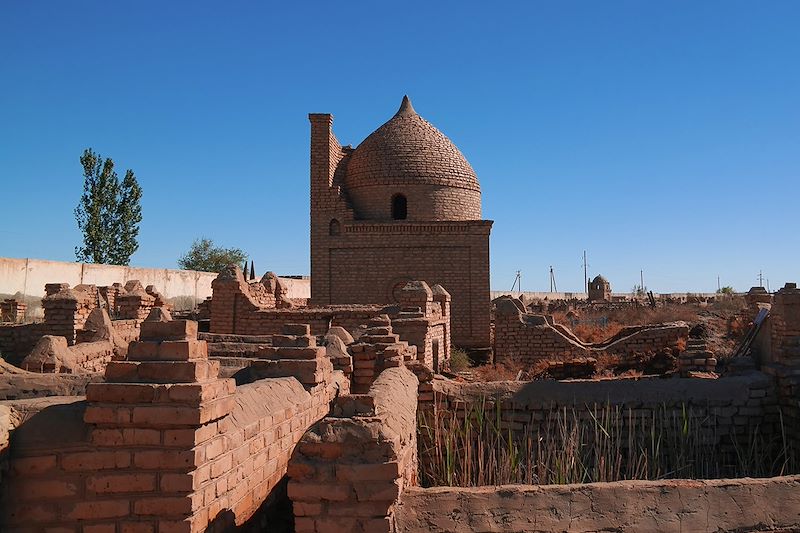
x=524 y=338
x=722 y=416
x=624 y=506
x=29 y=276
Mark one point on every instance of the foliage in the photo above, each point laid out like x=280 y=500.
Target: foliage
x=459 y=360
x=727 y=290
x=639 y=291
x=109 y=212
x=206 y=257
x=477 y=444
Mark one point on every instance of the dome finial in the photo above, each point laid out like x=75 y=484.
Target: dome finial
x=405 y=107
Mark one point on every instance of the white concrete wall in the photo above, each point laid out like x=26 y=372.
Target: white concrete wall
x=583 y=295
x=29 y=277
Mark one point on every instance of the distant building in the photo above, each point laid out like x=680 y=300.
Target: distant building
x=599 y=290
x=404 y=205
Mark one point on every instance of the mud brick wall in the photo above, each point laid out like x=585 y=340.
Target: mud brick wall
x=525 y=338
x=17 y=340
x=736 y=405
x=127 y=329
x=671 y=505
x=783 y=361
x=349 y=469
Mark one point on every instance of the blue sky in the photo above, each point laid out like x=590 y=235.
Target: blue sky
x=662 y=136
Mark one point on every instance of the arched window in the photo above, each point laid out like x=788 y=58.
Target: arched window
x=335 y=228
x=399 y=207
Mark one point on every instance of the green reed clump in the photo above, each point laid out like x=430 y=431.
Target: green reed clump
x=476 y=444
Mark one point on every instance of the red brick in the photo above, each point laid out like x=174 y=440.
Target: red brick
x=97 y=510
x=116 y=483
x=33 y=465
x=89 y=461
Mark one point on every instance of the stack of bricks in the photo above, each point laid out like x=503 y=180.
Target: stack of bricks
x=294 y=354
x=159 y=301
x=135 y=303
x=696 y=358
x=377 y=349
x=12 y=311
x=66 y=310
x=157 y=419
x=110 y=294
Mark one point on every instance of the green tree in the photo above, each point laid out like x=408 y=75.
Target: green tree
x=206 y=257
x=728 y=290
x=109 y=212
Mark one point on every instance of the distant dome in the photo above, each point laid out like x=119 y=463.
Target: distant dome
x=599 y=279
x=408 y=156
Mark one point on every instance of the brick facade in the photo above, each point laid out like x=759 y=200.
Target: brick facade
x=359 y=254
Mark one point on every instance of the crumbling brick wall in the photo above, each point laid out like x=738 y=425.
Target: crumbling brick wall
x=524 y=338
x=349 y=469
x=783 y=359
x=162 y=445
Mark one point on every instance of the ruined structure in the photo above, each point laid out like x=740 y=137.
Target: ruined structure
x=404 y=205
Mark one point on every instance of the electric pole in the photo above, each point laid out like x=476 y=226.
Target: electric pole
x=585 y=274
x=553 y=287
x=760 y=279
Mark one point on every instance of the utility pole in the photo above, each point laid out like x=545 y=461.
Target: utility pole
x=641 y=280
x=517 y=282
x=585 y=274
x=553 y=287
x=760 y=279
x=719 y=287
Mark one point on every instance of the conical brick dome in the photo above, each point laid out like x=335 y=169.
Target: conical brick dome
x=408 y=156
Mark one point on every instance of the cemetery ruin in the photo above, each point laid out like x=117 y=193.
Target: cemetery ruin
x=400 y=397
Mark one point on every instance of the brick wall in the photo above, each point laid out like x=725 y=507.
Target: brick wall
x=349 y=469
x=526 y=338
x=725 y=408
x=162 y=445
x=783 y=359
x=669 y=505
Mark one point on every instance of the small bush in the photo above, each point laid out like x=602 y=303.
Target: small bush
x=459 y=360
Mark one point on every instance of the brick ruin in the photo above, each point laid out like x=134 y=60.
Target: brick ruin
x=68 y=310
x=529 y=338
x=276 y=414
x=163 y=443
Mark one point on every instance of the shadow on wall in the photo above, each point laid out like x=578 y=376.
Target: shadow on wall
x=275 y=515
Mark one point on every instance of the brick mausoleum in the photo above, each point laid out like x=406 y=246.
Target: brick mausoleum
x=404 y=205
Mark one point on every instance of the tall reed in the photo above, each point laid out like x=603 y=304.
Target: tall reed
x=474 y=444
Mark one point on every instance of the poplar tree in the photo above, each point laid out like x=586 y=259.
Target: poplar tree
x=109 y=212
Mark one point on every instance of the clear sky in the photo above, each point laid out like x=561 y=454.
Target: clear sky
x=662 y=136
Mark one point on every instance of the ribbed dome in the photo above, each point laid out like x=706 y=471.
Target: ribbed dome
x=408 y=170
x=408 y=150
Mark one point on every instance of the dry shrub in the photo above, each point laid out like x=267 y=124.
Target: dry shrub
x=594 y=333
